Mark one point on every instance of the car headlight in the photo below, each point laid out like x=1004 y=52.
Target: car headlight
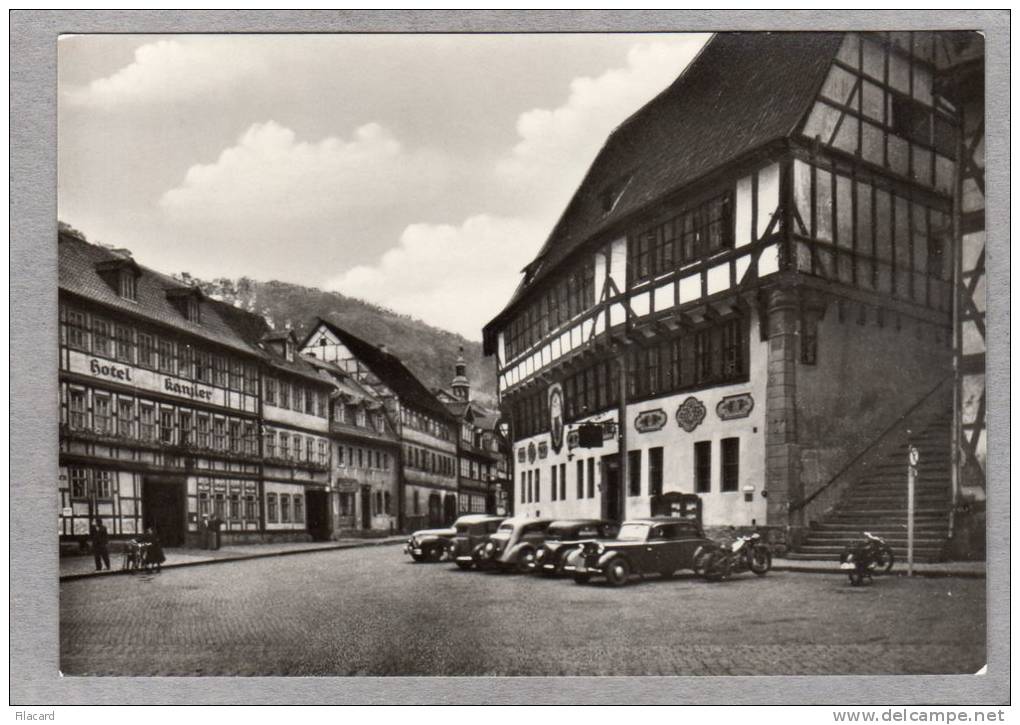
x=599 y=548
x=540 y=555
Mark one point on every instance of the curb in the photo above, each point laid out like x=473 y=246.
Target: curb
x=227 y=559
x=928 y=573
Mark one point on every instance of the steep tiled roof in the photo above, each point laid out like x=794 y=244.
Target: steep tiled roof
x=390 y=370
x=220 y=322
x=743 y=92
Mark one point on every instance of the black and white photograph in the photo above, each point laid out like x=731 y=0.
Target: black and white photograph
x=521 y=354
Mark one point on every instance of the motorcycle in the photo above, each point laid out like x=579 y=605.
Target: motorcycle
x=863 y=558
x=717 y=562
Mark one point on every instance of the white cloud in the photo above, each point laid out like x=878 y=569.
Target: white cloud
x=271 y=191
x=456 y=277
x=173 y=71
x=557 y=145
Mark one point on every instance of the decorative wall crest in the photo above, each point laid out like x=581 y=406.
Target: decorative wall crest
x=543 y=450
x=573 y=439
x=556 y=417
x=521 y=454
x=690 y=414
x=735 y=406
x=650 y=420
x=531 y=452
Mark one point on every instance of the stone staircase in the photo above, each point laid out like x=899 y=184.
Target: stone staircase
x=877 y=502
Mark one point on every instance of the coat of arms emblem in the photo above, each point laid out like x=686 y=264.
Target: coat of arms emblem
x=690 y=414
x=556 y=417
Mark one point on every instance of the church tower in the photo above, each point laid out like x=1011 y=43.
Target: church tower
x=460 y=385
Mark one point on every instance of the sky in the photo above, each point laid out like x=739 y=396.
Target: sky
x=419 y=172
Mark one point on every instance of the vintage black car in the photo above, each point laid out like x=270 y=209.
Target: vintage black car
x=513 y=546
x=472 y=532
x=432 y=545
x=643 y=546
x=563 y=536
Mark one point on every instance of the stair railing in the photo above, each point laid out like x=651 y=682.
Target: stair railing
x=804 y=502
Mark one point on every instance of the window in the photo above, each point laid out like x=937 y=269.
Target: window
x=703 y=467
x=417 y=502
x=219 y=434
x=310 y=449
x=655 y=471
x=167 y=358
x=146 y=351
x=236 y=375
x=124 y=342
x=284 y=394
x=251 y=509
x=184 y=421
x=250 y=438
x=284 y=508
x=323 y=458
x=126 y=418
x=309 y=401
x=387 y=503
x=299 y=509
x=203 y=503
x=269 y=443
x=538 y=485
x=251 y=379
x=524 y=478
x=591 y=478
x=203 y=366
x=730 y=464
x=531 y=490
x=100 y=337
x=79 y=482
x=185 y=361
x=127 y=285
x=235 y=506
x=76 y=334
x=103 y=483
x=76 y=409
x=296 y=450
x=147 y=422
x=167 y=426
x=683 y=239
x=235 y=436
x=563 y=481
x=270 y=391
x=271 y=510
x=634 y=472
x=219 y=371
x=202 y=431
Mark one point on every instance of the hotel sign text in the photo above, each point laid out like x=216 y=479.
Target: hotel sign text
x=144 y=379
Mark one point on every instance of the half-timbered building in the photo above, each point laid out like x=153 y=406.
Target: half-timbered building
x=749 y=291
x=427 y=430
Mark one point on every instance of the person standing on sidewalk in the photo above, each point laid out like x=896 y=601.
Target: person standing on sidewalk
x=154 y=556
x=100 y=545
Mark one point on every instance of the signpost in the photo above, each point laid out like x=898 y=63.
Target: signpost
x=914 y=457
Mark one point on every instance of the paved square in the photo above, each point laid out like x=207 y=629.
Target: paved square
x=370 y=611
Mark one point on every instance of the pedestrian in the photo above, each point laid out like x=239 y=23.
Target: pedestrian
x=100 y=543
x=154 y=556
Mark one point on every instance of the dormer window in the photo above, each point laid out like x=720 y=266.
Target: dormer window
x=288 y=350
x=188 y=301
x=121 y=274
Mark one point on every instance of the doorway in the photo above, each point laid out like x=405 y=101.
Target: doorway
x=318 y=514
x=366 y=507
x=163 y=509
x=435 y=511
x=449 y=509
x=612 y=501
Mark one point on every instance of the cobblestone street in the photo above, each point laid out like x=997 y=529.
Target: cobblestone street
x=370 y=611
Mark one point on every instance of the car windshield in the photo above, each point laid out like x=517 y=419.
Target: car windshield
x=633 y=532
x=560 y=533
x=506 y=528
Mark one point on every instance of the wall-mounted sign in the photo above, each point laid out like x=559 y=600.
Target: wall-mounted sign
x=650 y=420
x=735 y=406
x=609 y=430
x=690 y=414
x=532 y=453
x=543 y=450
x=141 y=378
x=521 y=454
x=589 y=435
x=556 y=417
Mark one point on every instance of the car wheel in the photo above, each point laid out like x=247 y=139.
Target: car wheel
x=465 y=565
x=582 y=578
x=666 y=573
x=418 y=557
x=433 y=554
x=761 y=560
x=525 y=560
x=617 y=572
x=699 y=560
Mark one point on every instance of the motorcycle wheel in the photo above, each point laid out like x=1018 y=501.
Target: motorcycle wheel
x=718 y=567
x=856 y=577
x=883 y=560
x=760 y=560
x=699 y=561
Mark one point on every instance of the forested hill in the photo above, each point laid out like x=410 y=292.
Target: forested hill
x=428 y=351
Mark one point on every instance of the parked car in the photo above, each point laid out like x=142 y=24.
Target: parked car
x=643 y=546
x=472 y=532
x=564 y=536
x=432 y=545
x=513 y=546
